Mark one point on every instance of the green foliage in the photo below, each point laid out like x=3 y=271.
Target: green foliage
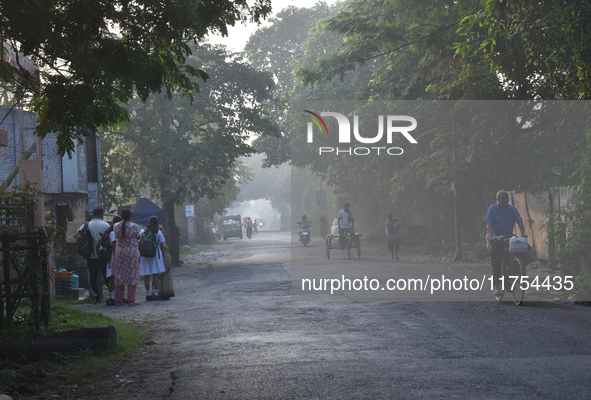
x=107 y=52
x=437 y=49
x=407 y=46
x=540 y=50
x=294 y=39
x=275 y=47
x=187 y=150
x=183 y=149
x=571 y=228
x=120 y=172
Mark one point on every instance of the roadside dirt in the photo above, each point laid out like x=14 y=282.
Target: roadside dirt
x=128 y=380
x=150 y=373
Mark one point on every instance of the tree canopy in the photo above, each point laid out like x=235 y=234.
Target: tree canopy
x=93 y=56
x=539 y=50
x=187 y=150
x=455 y=50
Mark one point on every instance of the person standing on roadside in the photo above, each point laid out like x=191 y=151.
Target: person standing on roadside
x=111 y=264
x=166 y=285
x=153 y=266
x=393 y=234
x=127 y=259
x=346 y=222
x=96 y=265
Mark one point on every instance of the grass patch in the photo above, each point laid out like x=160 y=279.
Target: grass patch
x=21 y=377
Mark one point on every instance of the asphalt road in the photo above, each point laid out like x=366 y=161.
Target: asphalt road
x=240 y=328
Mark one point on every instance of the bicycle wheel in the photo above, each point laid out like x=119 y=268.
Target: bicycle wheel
x=358 y=245
x=516 y=273
x=502 y=289
x=328 y=248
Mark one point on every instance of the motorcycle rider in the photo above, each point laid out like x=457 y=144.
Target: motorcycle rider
x=305 y=224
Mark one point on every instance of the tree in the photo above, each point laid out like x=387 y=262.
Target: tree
x=408 y=45
x=187 y=150
x=539 y=50
x=275 y=47
x=120 y=172
x=571 y=228
x=93 y=56
x=414 y=52
x=264 y=183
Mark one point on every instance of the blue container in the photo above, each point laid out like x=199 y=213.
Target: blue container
x=75 y=281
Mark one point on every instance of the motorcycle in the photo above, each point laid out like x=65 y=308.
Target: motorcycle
x=305 y=233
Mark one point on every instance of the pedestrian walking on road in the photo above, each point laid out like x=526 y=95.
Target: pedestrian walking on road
x=393 y=234
x=127 y=259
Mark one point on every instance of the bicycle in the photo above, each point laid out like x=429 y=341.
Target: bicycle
x=333 y=242
x=512 y=269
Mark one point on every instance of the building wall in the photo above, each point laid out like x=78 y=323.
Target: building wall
x=11 y=154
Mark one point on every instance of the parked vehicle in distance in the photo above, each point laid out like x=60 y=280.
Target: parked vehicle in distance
x=231 y=226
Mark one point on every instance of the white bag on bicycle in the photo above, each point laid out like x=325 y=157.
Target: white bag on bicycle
x=335 y=227
x=517 y=245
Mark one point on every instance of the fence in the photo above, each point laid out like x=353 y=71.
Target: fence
x=24 y=270
x=533 y=208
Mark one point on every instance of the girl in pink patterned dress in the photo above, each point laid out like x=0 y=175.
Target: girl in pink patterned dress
x=127 y=259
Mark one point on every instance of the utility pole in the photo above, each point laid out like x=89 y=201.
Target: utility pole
x=458 y=255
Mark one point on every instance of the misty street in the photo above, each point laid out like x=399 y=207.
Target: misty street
x=234 y=332
x=164 y=154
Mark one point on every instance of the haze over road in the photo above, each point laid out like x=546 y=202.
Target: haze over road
x=233 y=331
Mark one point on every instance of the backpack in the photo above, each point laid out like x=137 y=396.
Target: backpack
x=85 y=241
x=148 y=245
x=103 y=247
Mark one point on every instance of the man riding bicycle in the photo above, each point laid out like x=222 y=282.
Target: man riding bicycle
x=346 y=222
x=499 y=220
